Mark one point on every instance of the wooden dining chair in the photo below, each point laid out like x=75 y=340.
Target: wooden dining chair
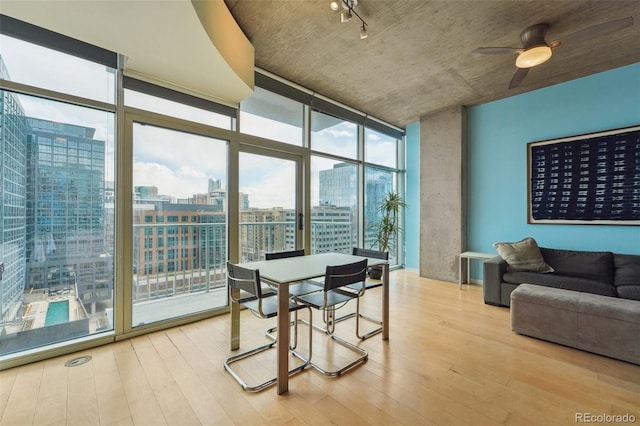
x=333 y=296
x=245 y=289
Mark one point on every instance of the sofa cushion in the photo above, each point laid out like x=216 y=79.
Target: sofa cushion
x=627 y=276
x=523 y=255
x=561 y=281
x=590 y=265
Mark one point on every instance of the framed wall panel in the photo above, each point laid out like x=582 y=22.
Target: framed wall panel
x=585 y=179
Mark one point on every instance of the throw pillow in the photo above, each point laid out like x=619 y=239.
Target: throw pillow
x=523 y=255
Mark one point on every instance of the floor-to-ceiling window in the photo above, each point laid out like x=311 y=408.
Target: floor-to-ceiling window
x=381 y=177
x=353 y=162
x=57 y=240
x=334 y=184
x=179 y=208
x=268 y=204
x=271 y=136
x=179 y=223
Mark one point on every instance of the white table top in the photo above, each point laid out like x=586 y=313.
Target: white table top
x=477 y=255
x=291 y=269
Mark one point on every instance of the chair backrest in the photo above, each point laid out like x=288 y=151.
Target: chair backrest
x=357 y=251
x=247 y=280
x=341 y=275
x=283 y=254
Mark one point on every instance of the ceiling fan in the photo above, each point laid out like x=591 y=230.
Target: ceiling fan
x=535 y=50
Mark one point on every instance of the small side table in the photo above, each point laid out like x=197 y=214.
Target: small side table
x=468 y=255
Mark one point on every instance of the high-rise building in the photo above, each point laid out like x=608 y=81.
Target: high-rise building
x=264 y=230
x=214 y=185
x=378 y=183
x=13 y=182
x=177 y=249
x=244 y=201
x=146 y=192
x=336 y=186
x=333 y=222
x=336 y=191
x=65 y=211
x=332 y=230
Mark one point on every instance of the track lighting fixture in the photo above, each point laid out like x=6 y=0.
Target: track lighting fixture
x=348 y=10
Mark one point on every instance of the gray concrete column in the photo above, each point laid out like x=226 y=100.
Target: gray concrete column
x=442 y=193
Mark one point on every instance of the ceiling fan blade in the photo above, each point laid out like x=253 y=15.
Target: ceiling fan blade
x=520 y=74
x=598 y=30
x=497 y=50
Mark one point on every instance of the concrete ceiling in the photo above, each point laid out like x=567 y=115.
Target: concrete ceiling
x=417 y=58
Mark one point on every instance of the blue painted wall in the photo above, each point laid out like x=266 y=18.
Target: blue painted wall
x=498 y=134
x=412 y=197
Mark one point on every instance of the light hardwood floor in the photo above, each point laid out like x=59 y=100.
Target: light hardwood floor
x=451 y=360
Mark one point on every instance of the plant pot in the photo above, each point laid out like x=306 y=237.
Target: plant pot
x=375 y=272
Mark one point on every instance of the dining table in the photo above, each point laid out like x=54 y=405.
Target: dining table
x=280 y=273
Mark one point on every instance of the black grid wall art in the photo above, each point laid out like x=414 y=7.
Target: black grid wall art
x=587 y=179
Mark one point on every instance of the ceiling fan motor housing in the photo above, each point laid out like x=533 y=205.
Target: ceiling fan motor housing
x=533 y=36
x=536 y=50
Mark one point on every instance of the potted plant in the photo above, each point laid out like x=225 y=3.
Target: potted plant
x=386 y=226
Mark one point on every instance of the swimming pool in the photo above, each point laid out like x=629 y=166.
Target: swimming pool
x=57 y=313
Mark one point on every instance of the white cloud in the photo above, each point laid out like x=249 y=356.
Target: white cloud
x=269 y=182
x=179 y=164
x=180 y=183
x=339 y=133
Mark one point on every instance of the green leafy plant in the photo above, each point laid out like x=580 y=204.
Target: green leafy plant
x=386 y=226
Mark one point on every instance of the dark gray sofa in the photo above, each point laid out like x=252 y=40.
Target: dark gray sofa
x=603 y=273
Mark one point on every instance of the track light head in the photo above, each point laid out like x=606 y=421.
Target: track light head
x=363 y=32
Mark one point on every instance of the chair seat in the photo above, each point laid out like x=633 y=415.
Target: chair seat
x=299 y=288
x=357 y=286
x=334 y=297
x=268 y=291
x=269 y=306
x=367 y=285
x=304 y=287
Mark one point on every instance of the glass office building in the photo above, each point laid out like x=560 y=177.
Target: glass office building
x=13 y=182
x=65 y=212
